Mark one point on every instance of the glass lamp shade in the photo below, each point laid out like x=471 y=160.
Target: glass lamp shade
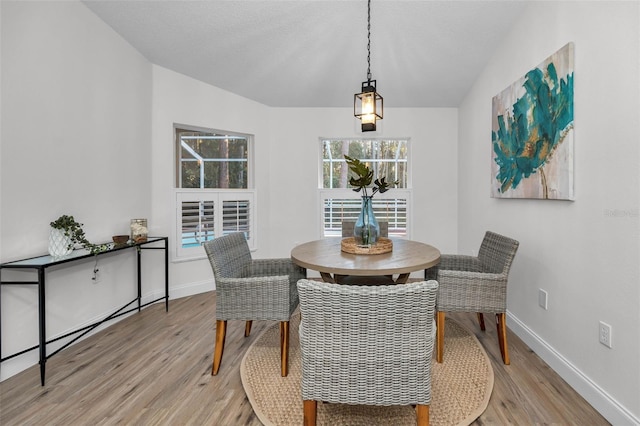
x=367 y=106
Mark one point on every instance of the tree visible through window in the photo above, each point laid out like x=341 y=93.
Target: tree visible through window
x=211 y=160
x=386 y=157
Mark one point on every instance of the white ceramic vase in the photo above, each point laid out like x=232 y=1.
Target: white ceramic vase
x=59 y=244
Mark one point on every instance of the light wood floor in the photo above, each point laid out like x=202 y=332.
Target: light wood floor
x=154 y=368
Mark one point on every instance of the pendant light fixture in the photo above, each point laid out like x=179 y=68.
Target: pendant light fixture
x=367 y=105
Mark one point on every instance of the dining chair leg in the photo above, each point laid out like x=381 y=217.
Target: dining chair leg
x=310 y=409
x=247 y=328
x=481 y=320
x=284 y=348
x=221 y=331
x=422 y=414
x=440 y=317
x=501 y=325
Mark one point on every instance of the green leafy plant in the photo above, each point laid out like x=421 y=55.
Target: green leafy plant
x=73 y=229
x=365 y=177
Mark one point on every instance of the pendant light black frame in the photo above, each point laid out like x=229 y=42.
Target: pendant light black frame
x=368 y=104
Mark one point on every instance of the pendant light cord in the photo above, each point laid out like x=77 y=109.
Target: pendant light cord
x=368 y=40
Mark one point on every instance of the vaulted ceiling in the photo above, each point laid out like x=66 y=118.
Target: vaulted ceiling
x=313 y=53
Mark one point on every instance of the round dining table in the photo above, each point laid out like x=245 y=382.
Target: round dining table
x=326 y=257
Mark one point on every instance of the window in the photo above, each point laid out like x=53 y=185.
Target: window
x=214 y=194
x=212 y=160
x=386 y=157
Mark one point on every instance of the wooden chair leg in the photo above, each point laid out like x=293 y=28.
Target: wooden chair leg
x=284 y=348
x=501 y=325
x=422 y=414
x=440 y=317
x=481 y=321
x=310 y=409
x=247 y=328
x=221 y=331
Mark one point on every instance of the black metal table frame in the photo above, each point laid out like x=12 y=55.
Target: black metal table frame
x=24 y=264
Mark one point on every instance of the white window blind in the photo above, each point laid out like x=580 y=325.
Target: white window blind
x=390 y=207
x=197 y=222
x=205 y=215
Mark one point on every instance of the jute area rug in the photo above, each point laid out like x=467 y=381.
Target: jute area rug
x=461 y=385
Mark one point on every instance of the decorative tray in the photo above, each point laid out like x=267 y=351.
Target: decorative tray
x=384 y=245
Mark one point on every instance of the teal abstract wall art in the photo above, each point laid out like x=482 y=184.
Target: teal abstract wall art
x=532 y=133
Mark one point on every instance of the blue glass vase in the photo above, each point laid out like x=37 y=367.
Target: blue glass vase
x=366 y=230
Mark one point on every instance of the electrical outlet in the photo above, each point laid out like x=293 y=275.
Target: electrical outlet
x=605 y=334
x=542 y=298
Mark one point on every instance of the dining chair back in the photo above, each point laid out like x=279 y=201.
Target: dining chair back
x=496 y=253
x=367 y=345
x=230 y=256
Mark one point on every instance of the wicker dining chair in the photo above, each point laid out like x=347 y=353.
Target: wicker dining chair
x=347 y=231
x=251 y=289
x=367 y=345
x=476 y=284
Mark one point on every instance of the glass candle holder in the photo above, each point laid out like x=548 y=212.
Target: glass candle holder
x=139 y=230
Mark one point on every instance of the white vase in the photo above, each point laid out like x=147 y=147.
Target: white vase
x=59 y=244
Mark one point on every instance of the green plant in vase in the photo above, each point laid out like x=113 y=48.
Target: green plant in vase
x=66 y=232
x=366 y=230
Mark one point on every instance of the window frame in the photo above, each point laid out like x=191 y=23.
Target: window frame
x=216 y=195
x=349 y=193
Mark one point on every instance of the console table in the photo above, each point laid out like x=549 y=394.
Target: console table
x=40 y=265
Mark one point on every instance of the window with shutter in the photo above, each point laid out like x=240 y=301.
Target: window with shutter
x=236 y=216
x=205 y=215
x=197 y=222
x=385 y=157
x=214 y=194
x=390 y=210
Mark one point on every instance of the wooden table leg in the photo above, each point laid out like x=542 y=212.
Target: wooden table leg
x=326 y=277
x=402 y=278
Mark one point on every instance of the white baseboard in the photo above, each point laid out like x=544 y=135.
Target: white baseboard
x=190 y=289
x=610 y=409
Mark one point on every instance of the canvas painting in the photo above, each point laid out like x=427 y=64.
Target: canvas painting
x=532 y=133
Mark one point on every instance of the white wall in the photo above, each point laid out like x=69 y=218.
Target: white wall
x=1 y=257
x=75 y=138
x=90 y=133
x=87 y=130
x=287 y=161
x=178 y=99
x=294 y=176
x=583 y=252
